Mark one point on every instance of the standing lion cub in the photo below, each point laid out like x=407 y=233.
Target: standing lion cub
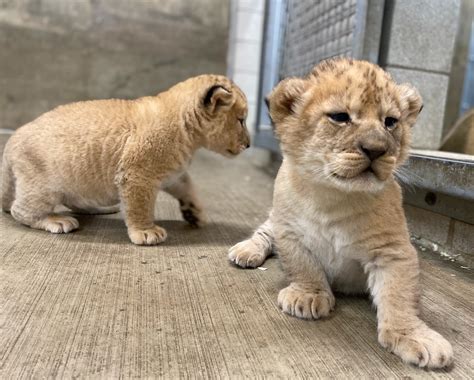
x=337 y=221
x=89 y=156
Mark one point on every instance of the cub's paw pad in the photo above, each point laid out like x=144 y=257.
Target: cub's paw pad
x=57 y=224
x=246 y=254
x=423 y=347
x=149 y=236
x=304 y=303
x=192 y=214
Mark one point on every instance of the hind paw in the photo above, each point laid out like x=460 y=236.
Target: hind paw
x=57 y=224
x=192 y=214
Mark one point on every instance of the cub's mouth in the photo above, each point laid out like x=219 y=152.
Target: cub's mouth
x=365 y=174
x=236 y=151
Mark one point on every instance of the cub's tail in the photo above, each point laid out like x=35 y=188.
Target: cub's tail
x=252 y=252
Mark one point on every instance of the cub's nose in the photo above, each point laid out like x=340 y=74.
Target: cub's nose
x=373 y=153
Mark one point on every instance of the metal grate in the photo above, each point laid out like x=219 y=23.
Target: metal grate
x=317 y=30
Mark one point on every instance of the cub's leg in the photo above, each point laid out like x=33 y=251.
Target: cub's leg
x=95 y=210
x=309 y=295
x=183 y=190
x=252 y=252
x=35 y=209
x=393 y=282
x=138 y=196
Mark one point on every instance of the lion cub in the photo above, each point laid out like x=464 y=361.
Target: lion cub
x=337 y=221
x=89 y=156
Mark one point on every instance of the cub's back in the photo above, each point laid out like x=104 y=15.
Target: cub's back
x=87 y=119
x=72 y=138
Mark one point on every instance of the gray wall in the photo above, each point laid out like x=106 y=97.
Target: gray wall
x=419 y=44
x=58 y=51
x=245 y=46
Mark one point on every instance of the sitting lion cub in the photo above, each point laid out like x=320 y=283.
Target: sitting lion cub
x=89 y=156
x=337 y=222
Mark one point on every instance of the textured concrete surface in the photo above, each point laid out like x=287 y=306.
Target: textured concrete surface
x=54 y=52
x=463 y=237
x=449 y=237
x=433 y=88
x=419 y=46
x=92 y=305
x=245 y=49
x=423 y=34
x=429 y=225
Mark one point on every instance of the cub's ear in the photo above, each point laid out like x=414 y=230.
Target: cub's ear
x=218 y=97
x=412 y=104
x=283 y=98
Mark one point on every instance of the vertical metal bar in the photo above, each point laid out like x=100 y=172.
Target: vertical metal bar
x=467 y=100
x=275 y=23
x=459 y=61
x=359 y=30
x=273 y=36
x=373 y=30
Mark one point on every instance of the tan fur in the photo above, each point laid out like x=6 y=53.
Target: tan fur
x=335 y=224
x=92 y=155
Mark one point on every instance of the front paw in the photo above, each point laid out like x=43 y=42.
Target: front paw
x=193 y=214
x=306 y=304
x=422 y=346
x=149 y=236
x=246 y=254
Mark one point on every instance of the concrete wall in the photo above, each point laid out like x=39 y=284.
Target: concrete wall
x=245 y=48
x=417 y=47
x=56 y=51
x=451 y=238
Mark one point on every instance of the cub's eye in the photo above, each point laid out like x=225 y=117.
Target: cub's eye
x=242 y=122
x=390 y=123
x=340 y=117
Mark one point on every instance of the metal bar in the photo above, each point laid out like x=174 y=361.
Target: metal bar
x=359 y=30
x=444 y=173
x=373 y=30
x=459 y=71
x=272 y=42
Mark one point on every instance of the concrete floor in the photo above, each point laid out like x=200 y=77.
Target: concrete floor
x=91 y=304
